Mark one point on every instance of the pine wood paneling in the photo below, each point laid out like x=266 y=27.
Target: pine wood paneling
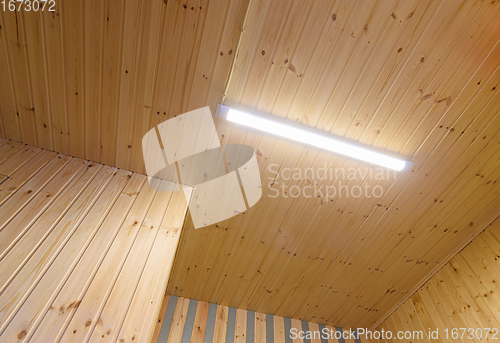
x=415 y=78
x=461 y=295
x=91 y=78
x=86 y=249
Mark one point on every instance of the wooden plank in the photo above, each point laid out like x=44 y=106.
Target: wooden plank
x=15 y=47
x=200 y=322
x=8 y=112
x=220 y=324
x=161 y=318
x=297 y=325
x=115 y=304
x=179 y=320
x=111 y=68
x=93 y=46
x=74 y=289
x=62 y=202
x=232 y=29
x=206 y=74
x=39 y=298
x=331 y=338
x=56 y=77
x=193 y=14
x=23 y=175
x=263 y=56
x=129 y=74
x=260 y=328
x=8 y=149
x=74 y=59
x=279 y=329
x=240 y=332
x=171 y=39
x=154 y=16
x=16 y=161
x=36 y=62
x=21 y=267
x=32 y=200
x=81 y=324
x=315 y=332
x=171 y=228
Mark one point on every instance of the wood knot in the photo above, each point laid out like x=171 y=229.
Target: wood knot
x=22 y=334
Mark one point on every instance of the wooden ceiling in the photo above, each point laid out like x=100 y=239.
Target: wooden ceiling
x=416 y=78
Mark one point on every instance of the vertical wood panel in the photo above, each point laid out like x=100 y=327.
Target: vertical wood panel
x=240 y=331
x=93 y=75
x=154 y=17
x=38 y=72
x=17 y=63
x=129 y=74
x=10 y=121
x=52 y=28
x=111 y=75
x=73 y=21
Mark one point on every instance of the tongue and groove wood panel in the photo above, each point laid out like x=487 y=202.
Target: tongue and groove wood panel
x=417 y=78
x=92 y=77
x=86 y=249
x=463 y=294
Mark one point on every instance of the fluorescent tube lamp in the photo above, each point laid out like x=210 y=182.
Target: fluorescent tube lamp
x=305 y=136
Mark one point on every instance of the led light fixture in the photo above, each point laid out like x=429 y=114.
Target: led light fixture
x=303 y=135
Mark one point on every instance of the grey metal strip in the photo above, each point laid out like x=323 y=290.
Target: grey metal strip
x=209 y=332
x=288 y=328
x=305 y=328
x=269 y=328
x=189 y=324
x=341 y=339
x=324 y=338
x=167 y=319
x=250 y=326
x=231 y=325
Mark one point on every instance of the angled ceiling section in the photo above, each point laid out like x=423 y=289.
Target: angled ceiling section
x=418 y=79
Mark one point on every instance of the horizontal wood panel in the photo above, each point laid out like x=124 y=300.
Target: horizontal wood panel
x=461 y=295
x=86 y=249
